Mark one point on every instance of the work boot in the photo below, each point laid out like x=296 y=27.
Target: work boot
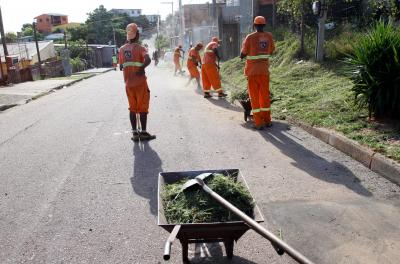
x=269 y=124
x=207 y=95
x=146 y=136
x=258 y=127
x=221 y=95
x=135 y=136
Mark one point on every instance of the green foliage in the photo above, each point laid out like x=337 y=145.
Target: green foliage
x=384 y=9
x=10 y=37
x=161 y=42
x=78 y=32
x=57 y=30
x=101 y=23
x=375 y=67
x=77 y=65
x=99 y=26
x=77 y=49
x=317 y=94
x=27 y=30
x=340 y=46
x=196 y=206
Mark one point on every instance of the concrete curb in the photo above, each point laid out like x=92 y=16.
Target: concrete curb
x=59 y=87
x=374 y=161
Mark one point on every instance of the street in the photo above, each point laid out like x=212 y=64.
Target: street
x=75 y=189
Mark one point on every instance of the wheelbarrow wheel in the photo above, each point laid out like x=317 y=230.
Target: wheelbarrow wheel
x=229 y=248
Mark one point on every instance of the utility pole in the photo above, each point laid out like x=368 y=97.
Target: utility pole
x=181 y=23
x=115 y=42
x=37 y=48
x=65 y=40
x=3 y=40
x=214 y=15
x=321 y=32
x=172 y=20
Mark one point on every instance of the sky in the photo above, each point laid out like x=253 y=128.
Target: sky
x=18 y=12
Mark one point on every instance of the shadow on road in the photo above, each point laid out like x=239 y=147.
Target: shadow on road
x=308 y=161
x=222 y=102
x=146 y=166
x=214 y=254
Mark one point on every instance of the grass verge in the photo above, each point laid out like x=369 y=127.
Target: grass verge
x=319 y=95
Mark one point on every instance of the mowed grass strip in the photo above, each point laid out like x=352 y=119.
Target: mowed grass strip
x=319 y=95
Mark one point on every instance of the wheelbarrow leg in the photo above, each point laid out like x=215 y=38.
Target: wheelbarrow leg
x=229 y=248
x=185 y=251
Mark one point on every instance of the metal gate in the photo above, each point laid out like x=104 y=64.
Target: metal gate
x=230 y=41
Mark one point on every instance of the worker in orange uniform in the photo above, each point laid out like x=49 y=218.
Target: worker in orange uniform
x=177 y=59
x=257 y=48
x=193 y=62
x=210 y=69
x=133 y=59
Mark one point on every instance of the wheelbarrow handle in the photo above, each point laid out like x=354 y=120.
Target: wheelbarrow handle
x=279 y=245
x=170 y=240
x=167 y=250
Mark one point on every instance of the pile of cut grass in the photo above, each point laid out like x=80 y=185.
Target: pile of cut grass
x=195 y=206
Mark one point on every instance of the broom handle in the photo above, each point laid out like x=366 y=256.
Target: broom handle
x=276 y=242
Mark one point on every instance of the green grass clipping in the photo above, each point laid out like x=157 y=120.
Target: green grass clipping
x=194 y=205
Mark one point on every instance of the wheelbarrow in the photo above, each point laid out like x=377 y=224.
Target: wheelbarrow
x=226 y=232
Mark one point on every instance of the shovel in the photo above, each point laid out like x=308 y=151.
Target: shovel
x=280 y=246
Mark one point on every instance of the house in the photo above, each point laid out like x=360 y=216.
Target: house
x=129 y=12
x=54 y=36
x=46 y=22
x=153 y=19
x=27 y=51
x=199 y=25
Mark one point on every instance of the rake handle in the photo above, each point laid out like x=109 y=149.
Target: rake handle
x=279 y=245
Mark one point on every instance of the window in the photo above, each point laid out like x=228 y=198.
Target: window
x=40 y=20
x=47 y=20
x=64 y=19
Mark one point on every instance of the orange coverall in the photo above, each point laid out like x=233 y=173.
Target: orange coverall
x=131 y=56
x=258 y=46
x=209 y=72
x=192 y=62
x=177 y=56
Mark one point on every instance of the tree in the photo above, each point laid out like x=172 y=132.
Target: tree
x=161 y=42
x=27 y=31
x=384 y=9
x=78 y=33
x=99 y=26
x=296 y=11
x=10 y=37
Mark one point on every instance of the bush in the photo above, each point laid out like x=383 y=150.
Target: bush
x=375 y=70
x=77 y=65
x=341 y=46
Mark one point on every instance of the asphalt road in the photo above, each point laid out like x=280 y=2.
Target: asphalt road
x=75 y=189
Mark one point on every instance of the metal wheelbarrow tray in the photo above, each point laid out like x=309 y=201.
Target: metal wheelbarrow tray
x=226 y=232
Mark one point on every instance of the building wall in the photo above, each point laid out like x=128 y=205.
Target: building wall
x=153 y=18
x=46 y=53
x=197 y=15
x=129 y=12
x=45 y=22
